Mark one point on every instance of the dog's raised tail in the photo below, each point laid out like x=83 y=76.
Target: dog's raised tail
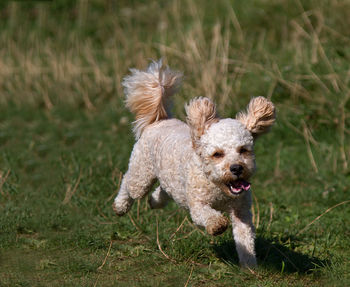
x=148 y=93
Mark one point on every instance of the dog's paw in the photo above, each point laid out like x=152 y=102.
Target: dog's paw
x=120 y=210
x=122 y=203
x=116 y=210
x=248 y=262
x=217 y=225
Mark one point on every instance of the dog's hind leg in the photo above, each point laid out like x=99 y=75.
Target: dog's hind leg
x=159 y=198
x=137 y=181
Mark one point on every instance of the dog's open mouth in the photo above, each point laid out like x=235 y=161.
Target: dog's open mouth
x=238 y=186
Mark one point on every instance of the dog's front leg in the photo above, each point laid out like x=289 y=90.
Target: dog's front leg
x=244 y=232
x=213 y=221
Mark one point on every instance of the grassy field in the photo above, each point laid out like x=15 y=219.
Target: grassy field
x=65 y=140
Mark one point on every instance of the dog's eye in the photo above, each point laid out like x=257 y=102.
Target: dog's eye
x=243 y=150
x=218 y=154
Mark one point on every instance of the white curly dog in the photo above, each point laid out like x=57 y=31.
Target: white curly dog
x=203 y=165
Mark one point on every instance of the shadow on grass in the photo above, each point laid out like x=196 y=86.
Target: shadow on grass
x=273 y=255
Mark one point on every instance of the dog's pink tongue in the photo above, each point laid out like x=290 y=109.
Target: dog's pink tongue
x=240 y=185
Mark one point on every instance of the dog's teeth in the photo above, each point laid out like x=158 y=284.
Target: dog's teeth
x=233 y=189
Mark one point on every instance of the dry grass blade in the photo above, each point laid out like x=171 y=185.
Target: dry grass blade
x=3 y=180
x=103 y=263
x=70 y=191
x=189 y=277
x=186 y=236
x=235 y=22
x=182 y=223
x=98 y=277
x=117 y=189
x=342 y=138
x=336 y=33
x=254 y=272
x=108 y=252
x=271 y=216
x=160 y=248
x=171 y=214
x=256 y=220
x=135 y=225
x=196 y=227
x=307 y=136
x=318 y=217
x=100 y=211
x=301 y=133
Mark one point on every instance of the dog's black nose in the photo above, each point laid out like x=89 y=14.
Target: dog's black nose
x=236 y=169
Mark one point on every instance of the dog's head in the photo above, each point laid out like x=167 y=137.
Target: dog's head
x=225 y=146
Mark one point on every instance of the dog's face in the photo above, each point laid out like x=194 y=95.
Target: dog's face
x=225 y=146
x=226 y=151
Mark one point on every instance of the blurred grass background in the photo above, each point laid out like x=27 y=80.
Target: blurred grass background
x=65 y=139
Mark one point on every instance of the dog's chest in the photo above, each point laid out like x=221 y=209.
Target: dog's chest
x=218 y=199
x=210 y=194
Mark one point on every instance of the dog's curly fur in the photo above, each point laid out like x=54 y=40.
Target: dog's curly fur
x=203 y=165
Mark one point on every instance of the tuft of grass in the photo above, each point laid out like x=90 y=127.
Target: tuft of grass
x=65 y=140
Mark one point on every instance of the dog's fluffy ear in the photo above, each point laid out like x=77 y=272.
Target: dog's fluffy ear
x=201 y=113
x=259 y=117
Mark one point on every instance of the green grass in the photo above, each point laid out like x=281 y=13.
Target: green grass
x=65 y=140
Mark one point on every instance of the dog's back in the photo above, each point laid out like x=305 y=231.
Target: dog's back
x=169 y=148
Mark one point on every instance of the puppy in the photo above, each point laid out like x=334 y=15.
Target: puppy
x=204 y=165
